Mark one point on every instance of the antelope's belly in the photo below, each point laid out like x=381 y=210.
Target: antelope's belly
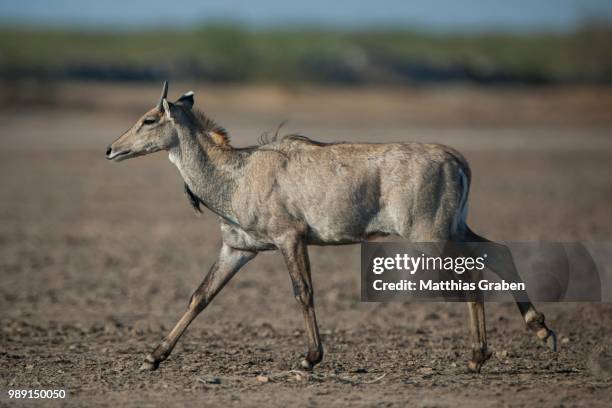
x=350 y=225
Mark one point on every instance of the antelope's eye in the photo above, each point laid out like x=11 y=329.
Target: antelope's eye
x=149 y=120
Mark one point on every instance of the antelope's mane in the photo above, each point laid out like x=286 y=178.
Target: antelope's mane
x=267 y=141
x=206 y=125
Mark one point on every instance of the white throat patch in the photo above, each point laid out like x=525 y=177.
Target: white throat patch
x=173 y=156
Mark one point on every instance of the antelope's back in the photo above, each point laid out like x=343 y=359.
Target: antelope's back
x=346 y=192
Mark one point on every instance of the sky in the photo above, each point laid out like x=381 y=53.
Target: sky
x=435 y=15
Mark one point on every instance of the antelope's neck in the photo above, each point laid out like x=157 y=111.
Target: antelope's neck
x=209 y=171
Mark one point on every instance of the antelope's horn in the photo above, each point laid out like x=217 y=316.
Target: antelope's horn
x=163 y=96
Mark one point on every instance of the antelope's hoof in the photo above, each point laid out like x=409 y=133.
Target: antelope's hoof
x=306 y=365
x=478 y=359
x=311 y=359
x=474 y=366
x=551 y=341
x=149 y=364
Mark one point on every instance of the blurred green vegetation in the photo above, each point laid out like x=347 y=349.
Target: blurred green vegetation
x=227 y=53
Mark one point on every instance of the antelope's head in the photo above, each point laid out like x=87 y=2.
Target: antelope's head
x=156 y=130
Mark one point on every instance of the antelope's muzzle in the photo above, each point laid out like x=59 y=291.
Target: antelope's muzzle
x=112 y=154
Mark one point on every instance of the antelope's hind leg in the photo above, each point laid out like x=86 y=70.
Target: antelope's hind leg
x=229 y=262
x=478 y=330
x=477 y=321
x=295 y=252
x=502 y=264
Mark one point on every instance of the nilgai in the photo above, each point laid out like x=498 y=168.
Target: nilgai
x=290 y=193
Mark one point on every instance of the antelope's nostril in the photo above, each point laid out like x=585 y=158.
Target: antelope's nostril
x=108 y=150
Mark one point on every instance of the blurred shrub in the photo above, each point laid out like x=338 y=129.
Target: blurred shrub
x=228 y=53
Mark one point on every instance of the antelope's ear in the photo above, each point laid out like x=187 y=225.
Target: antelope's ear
x=186 y=100
x=166 y=106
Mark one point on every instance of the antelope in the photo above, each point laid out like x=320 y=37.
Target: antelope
x=294 y=192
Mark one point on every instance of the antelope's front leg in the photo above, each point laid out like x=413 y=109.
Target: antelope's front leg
x=295 y=252
x=229 y=262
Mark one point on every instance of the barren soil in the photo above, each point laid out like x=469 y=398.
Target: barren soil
x=98 y=260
